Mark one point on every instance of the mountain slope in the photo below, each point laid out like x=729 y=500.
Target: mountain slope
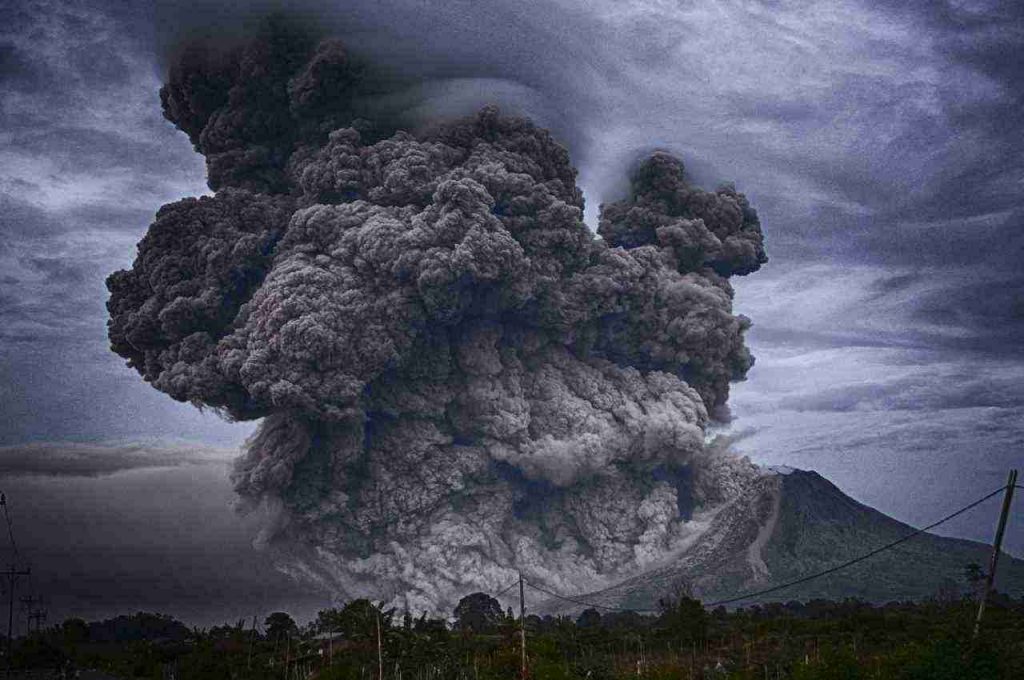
x=789 y=524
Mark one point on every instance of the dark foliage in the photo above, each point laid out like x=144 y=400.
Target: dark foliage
x=815 y=640
x=478 y=613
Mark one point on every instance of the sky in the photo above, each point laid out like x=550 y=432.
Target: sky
x=880 y=143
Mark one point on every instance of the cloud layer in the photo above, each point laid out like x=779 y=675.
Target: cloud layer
x=74 y=459
x=879 y=141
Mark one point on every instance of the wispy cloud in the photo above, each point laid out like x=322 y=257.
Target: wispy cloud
x=71 y=459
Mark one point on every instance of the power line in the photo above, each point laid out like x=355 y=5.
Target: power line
x=788 y=584
x=506 y=588
x=587 y=604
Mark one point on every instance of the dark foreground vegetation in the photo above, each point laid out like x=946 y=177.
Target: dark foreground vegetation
x=849 y=640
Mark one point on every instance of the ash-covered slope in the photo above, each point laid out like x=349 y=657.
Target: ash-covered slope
x=789 y=524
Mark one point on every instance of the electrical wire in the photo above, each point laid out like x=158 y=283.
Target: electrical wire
x=506 y=589
x=587 y=604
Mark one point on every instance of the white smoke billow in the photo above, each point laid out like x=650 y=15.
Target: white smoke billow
x=456 y=380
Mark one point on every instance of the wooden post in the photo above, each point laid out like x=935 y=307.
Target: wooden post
x=1011 y=483
x=522 y=628
x=287 y=655
x=12 y=574
x=380 y=653
x=252 y=638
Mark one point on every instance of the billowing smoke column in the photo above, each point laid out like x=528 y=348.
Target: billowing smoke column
x=457 y=380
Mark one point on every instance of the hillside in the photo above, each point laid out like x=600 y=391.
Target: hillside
x=787 y=524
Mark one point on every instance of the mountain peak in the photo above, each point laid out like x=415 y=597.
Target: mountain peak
x=789 y=523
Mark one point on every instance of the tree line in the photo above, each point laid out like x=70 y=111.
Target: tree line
x=363 y=640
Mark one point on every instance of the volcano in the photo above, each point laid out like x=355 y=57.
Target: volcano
x=785 y=524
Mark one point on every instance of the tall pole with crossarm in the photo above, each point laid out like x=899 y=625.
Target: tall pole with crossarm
x=997 y=544
x=12 y=574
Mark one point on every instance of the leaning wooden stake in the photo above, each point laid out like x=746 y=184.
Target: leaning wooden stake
x=1011 y=483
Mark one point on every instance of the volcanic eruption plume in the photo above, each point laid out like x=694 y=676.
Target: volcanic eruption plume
x=456 y=379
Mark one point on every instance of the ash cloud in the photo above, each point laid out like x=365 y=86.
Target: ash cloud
x=456 y=380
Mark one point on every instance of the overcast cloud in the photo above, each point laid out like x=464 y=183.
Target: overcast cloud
x=156 y=537
x=880 y=144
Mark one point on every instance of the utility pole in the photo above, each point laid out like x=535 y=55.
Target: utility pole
x=997 y=545
x=37 y=613
x=26 y=606
x=287 y=654
x=522 y=627
x=252 y=638
x=12 y=575
x=380 y=650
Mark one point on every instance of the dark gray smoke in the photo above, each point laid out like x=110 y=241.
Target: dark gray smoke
x=456 y=379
